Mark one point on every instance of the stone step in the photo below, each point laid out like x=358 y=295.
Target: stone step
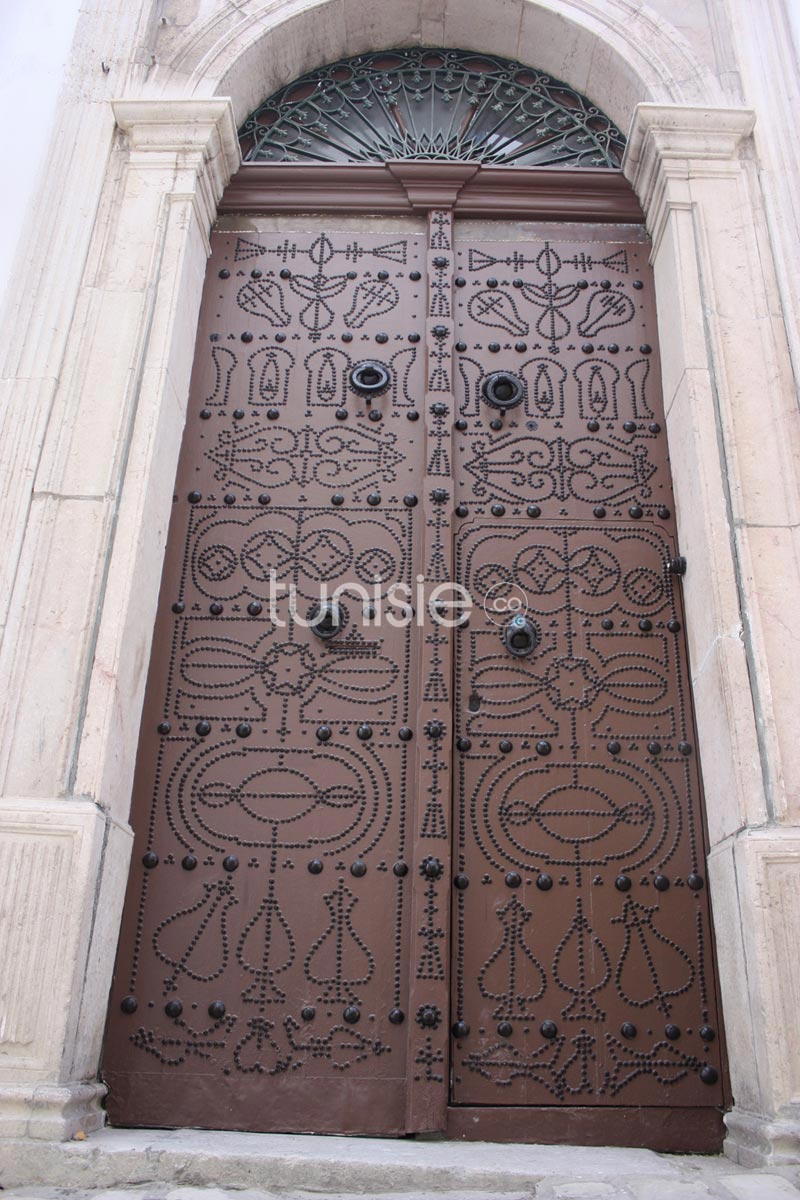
x=131 y=1164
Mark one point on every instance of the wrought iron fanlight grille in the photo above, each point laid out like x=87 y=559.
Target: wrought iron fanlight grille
x=431 y=104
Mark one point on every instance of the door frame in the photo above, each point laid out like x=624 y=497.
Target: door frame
x=695 y=176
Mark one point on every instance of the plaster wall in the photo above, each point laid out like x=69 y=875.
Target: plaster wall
x=94 y=374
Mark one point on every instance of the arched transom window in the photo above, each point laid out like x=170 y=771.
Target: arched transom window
x=423 y=104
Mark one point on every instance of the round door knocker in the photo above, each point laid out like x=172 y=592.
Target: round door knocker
x=370 y=378
x=520 y=636
x=327 y=618
x=503 y=390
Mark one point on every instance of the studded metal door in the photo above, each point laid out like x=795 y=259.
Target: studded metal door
x=582 y=958
x=263 y=973
x=387 y=413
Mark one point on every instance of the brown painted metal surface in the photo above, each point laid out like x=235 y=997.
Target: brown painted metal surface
x=583 y=962
x=346 y=845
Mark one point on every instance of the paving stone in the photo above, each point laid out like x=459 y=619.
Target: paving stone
x=759 y=1185
x=594 y=1190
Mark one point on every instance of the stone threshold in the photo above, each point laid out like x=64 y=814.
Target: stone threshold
x=124 y=1158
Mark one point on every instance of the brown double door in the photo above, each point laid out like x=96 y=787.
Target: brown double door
x=410 y=856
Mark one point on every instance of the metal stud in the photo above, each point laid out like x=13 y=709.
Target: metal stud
x=587 y=348
x=544 y=882
x=405 y=734
x=431 y=868
x=308 y=1012
x=548 y=1029
x=364 y=732
x=264 y=498
x=637 y=283
x=635 y=511
x=341 y=414
x=513 y=879
x=495 y=424
x=613 y=747
x=428 y=1016
x=373 y=499
x=505 y=1029
x=707 y=1033
x=677 y=566
x=645 y=624
x=229 y=498
x=533 y=510
x=435 y=729
x=663 y=512
x=661 y=883
x=315 y=866
x=438 y=409
x=709 y=1074
x=439 y=495
x=358 y=869
x=247 y=336
x=194 y=497
x=629 y=426
x=347 y=337
x=653 y=748
x=464 y=744
x=685 y=749
x=224 y=273
x=505 y=746
x=460 y=281
x=337 y=500
x=695 y=882
x=412 y=415
x=674 y=626
x=461 y=425
x=164 y=727
x=628 y=1029
x=400 y=869
x=324 y=733
x=543 y=747
x=188 y=862
x=599 y=511
x=243 y=729
x=593 y=426
x=397 y=1016
x=622 y=883
x=672 y=1032
x=272 y=414
x=203 y=728
x=230 y=862
x=238 y=413
x=461 y=510
x=491 y=282
x=414 y=275
x=607 y=623
x=498 y=510
x=461 y=347
x=254 y=608
x=645 y=349
x=413 y=338
x=461 y=883
x=173 y=1008
x=440 y=261
x=205 y=414
x=129 y=1004
x=150 y=860
x=612 y=348
x=460 y=1029
x=216 y=1010
x=520 y=347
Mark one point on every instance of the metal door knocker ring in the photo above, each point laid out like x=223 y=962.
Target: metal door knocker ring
x=503 y=390
x=520 y=636
x=327 y=618
x=370 y=378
